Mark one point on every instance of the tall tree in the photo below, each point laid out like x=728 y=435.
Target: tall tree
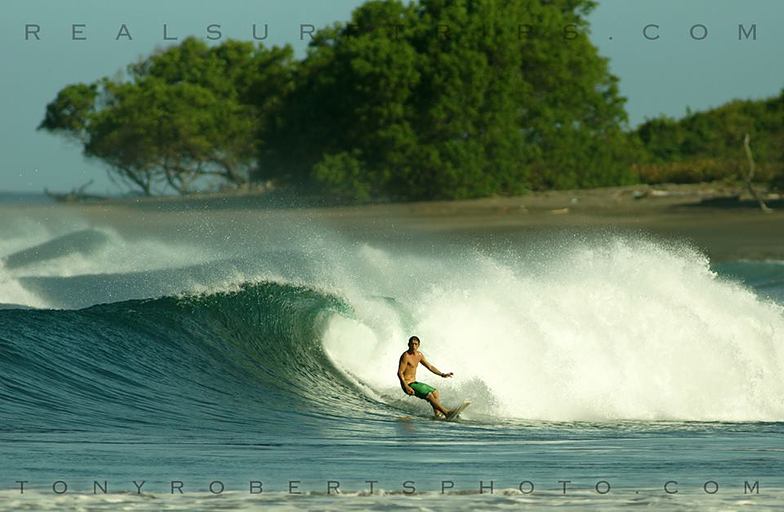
x=187 y=114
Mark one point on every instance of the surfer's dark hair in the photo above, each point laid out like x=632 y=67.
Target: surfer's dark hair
x=414 y=338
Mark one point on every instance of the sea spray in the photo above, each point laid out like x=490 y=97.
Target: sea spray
x=114 y=266
x=612 y=329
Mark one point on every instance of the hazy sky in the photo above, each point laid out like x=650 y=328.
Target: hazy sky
x=665 y=75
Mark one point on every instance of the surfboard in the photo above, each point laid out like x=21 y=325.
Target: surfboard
x=455 y=413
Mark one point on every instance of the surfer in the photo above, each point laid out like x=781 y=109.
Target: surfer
x=406 y=372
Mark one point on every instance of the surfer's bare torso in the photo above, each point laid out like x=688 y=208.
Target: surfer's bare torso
x=409 y=363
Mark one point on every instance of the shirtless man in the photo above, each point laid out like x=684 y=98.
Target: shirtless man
x=406 y=372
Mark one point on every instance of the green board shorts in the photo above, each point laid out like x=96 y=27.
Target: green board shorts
x=421 y=390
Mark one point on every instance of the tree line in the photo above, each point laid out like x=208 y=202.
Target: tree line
x=431 y=99
x=709 y=145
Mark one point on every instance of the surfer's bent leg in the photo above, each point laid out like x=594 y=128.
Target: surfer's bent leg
x=433 y=398
x=429 y=393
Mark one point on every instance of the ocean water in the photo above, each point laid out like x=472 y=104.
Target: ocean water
x=188 y=361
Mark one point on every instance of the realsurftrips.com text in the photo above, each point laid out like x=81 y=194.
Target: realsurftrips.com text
x=306 y=32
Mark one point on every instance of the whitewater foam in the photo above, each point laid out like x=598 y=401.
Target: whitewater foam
x=606 y=330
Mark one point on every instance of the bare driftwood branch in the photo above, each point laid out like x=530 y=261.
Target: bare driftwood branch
x=750 y=175
x=76 y=194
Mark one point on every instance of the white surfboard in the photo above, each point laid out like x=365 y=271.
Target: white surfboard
x=455 y=413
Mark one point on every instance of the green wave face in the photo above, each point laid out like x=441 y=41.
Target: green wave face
x=241 y=360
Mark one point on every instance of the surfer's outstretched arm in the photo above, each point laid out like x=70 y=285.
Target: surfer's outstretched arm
x=433 y=369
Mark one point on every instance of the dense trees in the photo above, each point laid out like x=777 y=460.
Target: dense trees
x=452 y=99
x=427 y=99
x=705 y=146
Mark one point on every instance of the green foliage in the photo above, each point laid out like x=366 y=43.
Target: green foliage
x=708 y=145
x=351 y=96
x=475 y=110
x=182 y=130
x=188 y=114
x=69 y=112
x=343 y=174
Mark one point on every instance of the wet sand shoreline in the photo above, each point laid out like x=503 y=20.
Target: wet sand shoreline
x=719 y=220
